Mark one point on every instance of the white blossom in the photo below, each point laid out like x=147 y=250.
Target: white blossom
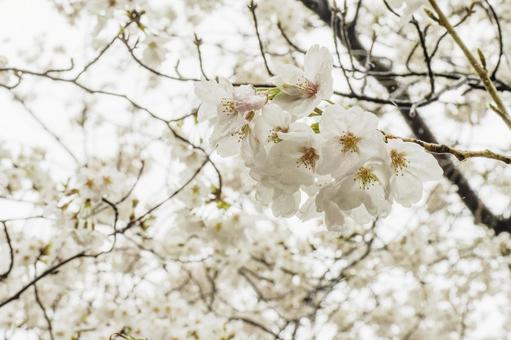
x=154 y=51
x=231 y=110
x=350 y=138
x=273 y=121
x=411 y=166
x=365 y=185
x=302 y=90
x=291 y=162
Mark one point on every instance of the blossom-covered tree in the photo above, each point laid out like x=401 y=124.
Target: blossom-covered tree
x=255 y=169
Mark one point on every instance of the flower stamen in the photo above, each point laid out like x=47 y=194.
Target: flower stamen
x=399 y=161
x=308 y=88
x=309 y=158
x=366 y=177
x=274 y=134
x=349 y=142
x=227 y=105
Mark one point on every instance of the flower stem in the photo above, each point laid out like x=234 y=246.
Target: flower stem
x=461 y=155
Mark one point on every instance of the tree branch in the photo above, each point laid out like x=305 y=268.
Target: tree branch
x=479 y=210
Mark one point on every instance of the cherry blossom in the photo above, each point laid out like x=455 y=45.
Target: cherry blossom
x=365 y=185
x=342 y=165
x=273 y=121
x=154 y=52
x=231 y=109
x=411 y=167
x=291 y=162
x=351 y=137
x=302 y=90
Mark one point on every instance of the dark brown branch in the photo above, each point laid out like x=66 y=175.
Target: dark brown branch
x=4 y=275
x=255 y=324
x=427 y=58
x=131 y=50
x=131 y=224
x=47 y=272
x=41 y=305
x=288 y=40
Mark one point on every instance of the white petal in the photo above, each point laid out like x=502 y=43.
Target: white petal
x=332 y=123
x=300 y=107
x=427 y=169
x=286 y=74
x=274 y=116
x=308 y=210
x=333 y=216
x=406 y=189
x=228 y=146
x=285 y=205
x=210 y=94
x=318 y=63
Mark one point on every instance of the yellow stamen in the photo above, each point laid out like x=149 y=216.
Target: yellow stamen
x=309 y=158
x=274 y=134
x=399 y=161
x=366 y=177
x=308 y=88
x=349 y=142
x=227 y=106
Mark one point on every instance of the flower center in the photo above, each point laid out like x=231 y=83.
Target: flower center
x=227 y=105
x=274 y=134
x=308 y=88
x=399 y=161
x=107 y=180
x=309 y=158
x=349 y=142
x=89 y=183
x=243 y=132
x=366 y=177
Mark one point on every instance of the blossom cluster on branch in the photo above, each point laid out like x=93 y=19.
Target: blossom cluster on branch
x=311 y=160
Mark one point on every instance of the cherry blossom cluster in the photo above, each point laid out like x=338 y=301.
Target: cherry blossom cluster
x=308 y=154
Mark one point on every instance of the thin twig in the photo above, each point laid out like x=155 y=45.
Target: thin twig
x=46 y=128
x=41 y=305
x=459 y=154
x=198 y=42
x=47 y=272
x=252 y=7
x=477 y=65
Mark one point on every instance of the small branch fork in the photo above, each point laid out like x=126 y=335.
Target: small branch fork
x=479 y=66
